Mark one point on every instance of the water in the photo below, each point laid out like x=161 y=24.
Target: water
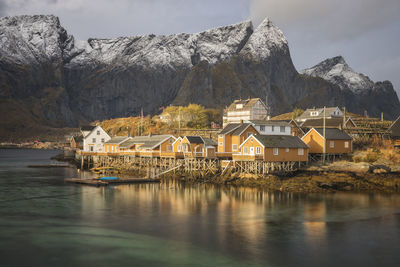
x=45 y=222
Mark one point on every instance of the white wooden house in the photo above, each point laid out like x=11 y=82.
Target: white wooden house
x=95 y=139
x=271 y=127
x=245 y=110
x=318 y=113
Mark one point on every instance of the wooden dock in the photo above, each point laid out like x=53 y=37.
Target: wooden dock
x=97 y=182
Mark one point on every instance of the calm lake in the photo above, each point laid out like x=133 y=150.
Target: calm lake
x=45 y=222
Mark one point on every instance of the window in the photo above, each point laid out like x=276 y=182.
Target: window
x=102 y=140
x=98 y=132
x=272 y=128
x=179 y=148
x=346 y=144
x=112 y=148
x=94 y=140
x=245 y=150
x=331 y=144
x=251 y=140
x=282 y=128
x=91 y=148
x=276 y=151
x=234 y=147
x=252 y=150
x=221 y=136
x=239 y=106
x=258 y=150
x=248 y=134
x=171 y=140
x=220 y=144
x=300 y=151
x=262 y=128
x=314 y=113
x=287 y=149
x=169 y=148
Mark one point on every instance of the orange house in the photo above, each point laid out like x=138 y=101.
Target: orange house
x=113 y=145
x=336 y=141
x=154 y=145
x=272 y=148
x=196 y=146
x=232 y=136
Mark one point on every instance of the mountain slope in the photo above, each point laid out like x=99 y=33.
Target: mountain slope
x=47 y=78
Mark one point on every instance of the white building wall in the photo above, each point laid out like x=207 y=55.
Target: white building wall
x=276 y=130
x=95 y=139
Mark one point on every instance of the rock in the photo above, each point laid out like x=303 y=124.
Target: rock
x=346 y=166
x=380 y=169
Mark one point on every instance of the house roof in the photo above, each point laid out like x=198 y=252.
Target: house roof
x=307 y=113
x=271 y=122
x=193 y=139
x=229 y=128
x=127 y=143
x=149 y=141
x=87 y=127
x=209 y=142
x=247 y=104
x=116 y=140
x=240 y=129
x=332 y=122
x=78 y=138
x=280 y=141
x=334 y=134
x=395 y=128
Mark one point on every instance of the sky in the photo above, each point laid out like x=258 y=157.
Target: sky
x=365 y=32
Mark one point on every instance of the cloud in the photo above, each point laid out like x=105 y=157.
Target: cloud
x=105 y=18
x=365 y=32
x=334 y=19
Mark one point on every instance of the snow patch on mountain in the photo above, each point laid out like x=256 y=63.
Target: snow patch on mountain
x=265 y=39
x=337 y=71
x=177 y=50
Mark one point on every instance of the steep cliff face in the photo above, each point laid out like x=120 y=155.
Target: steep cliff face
x=48 y=78
x=367 y=95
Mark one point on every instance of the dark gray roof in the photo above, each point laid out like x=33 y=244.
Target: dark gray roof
x=334 y=134
x=284 y=141
x=241 y=128
x=394 y=129
x=229 y=128
x=209 y=142
x=87 y=127
x=78 y=138
x=116 y=140
x=194 y=139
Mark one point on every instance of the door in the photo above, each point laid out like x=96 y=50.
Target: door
x=252 y=150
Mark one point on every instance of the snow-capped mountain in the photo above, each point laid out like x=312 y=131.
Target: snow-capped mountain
x=337 y=71
x=49 y=78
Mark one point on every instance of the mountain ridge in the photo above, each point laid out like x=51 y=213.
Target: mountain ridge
x=58 y=81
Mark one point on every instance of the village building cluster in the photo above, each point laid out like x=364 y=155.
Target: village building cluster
x=248 y=135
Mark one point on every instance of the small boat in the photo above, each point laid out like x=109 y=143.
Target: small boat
x=107 y=178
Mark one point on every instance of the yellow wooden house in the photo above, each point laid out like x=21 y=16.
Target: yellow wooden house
x=232 y=136
x=272 y=148
x=336 y=141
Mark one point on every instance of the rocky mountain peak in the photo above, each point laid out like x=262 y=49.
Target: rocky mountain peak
x=265 y=39
x=33 y=39
x=337 y=71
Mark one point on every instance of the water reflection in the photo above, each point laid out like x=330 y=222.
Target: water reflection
x=44 y=220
